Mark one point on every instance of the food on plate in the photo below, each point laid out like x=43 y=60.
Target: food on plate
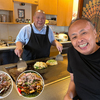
x=21 y=69
x=40 y=65
x=51 y=62
x=5 y=84
x=30 y=84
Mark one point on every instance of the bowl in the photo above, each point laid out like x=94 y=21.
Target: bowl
x=6 y=84
x=40 y=67
x=29 y=84
x=41 y=71
x=63 y=37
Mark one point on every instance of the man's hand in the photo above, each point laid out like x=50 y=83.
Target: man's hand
x=71 y=93
x=58 y=45
x=67 y=97
x=19 y=49
x=18 y=52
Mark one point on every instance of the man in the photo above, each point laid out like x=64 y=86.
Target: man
x=83 y=62
x=36 y=38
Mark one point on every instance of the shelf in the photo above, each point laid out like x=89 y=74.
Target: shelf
x=6 y=22
x=12 y=14
x=21 y=23
x=12 y=23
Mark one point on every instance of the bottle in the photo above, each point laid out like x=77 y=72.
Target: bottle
x=29 y=21
x=4 y=18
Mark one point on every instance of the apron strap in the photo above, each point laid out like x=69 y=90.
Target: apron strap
x=31 y=28
x=47 y=29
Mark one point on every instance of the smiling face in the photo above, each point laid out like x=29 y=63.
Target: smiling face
x=83 y=37
x=39 y=19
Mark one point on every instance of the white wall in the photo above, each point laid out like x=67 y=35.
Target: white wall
x=7 y=30
x=27 y=9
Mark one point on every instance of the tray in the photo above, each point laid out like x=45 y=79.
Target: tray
x=50 y=74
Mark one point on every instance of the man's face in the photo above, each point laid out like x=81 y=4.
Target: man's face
x=39 y=20
x=83 y=37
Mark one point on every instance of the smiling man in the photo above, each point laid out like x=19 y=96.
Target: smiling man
x=83 y=61
x=36 y=38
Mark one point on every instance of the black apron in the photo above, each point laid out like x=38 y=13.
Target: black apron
x=37 y=47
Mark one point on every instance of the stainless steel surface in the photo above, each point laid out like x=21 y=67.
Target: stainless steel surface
x=55 y=91
x=21 y=65
x=59 y=57
x=51 y=74
x=14 y=46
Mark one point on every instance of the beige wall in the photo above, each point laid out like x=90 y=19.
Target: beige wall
x=13 y=29
x=9 y=30
x=27 y=9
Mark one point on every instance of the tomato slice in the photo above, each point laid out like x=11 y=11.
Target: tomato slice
x=19 y=90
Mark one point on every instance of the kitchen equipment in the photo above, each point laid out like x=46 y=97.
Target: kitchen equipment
x=0 y=18
x=26 y=20
x=51 y=75
x=59 y=57
x=17 y=19
x=23 y=20
x=10 y=43
x=52 y=22
x=4 y=18
x=21 y=65
x=67 y=35
x=63 y=37
x=53 y=18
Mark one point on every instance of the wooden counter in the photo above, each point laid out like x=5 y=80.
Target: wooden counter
x=13 y=47
x=8 y=56
x=7 y=47
x=54 y=51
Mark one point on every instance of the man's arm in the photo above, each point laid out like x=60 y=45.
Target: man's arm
x=19 y=49
x=71 y=93
x=58 y=45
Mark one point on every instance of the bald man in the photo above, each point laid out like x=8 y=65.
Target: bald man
x=36 y=38
x=83 y=61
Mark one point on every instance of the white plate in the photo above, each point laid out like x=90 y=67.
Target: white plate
x=30 y=95
x=11 y=87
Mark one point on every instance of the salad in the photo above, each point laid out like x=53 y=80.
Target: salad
x=30 y=84
x=6 y=84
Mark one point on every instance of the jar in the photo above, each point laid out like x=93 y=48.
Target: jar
x=4 y=18
x=29 y=21
x=26 y=21
x=0 y=18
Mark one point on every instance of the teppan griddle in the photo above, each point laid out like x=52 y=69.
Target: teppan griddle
x=51 y=74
